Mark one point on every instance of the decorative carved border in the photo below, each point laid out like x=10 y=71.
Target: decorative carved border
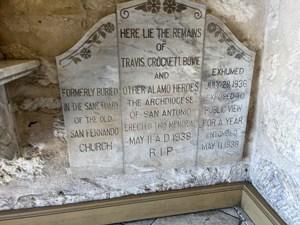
x=137 y=207
x=155 y=6
x=84 y=51
x=232 y=50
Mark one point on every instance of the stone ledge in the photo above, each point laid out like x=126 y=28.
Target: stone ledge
x=14 y=69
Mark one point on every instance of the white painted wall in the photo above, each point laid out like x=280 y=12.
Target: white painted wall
x=275 y=162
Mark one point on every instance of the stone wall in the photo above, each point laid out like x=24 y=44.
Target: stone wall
x=43 y=29
x=275 y=163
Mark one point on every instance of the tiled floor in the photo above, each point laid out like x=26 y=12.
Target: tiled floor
x=228 y=216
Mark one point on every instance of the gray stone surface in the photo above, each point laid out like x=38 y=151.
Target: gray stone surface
x=62 y=189
x=160 y=55
x=230 y=211
x=89 y=83
x=8 y=140
x=280 y=189
x=236 y=216
x=225 y=93
x=242 y=215
x=9 y=71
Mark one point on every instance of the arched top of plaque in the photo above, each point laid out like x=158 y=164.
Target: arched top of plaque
x=95 y=37
x=216 y=29
x=226 y=85
x=89 y=82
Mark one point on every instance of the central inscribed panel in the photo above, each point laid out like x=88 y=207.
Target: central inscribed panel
x=160 y=60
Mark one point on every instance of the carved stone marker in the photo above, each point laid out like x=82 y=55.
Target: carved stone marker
x=160 y=60
x=168 y=110
x=89 y=83
x=225 y=94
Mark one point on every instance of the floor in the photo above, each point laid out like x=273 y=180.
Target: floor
x=230 y=216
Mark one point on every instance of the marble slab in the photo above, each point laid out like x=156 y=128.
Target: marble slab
x=8 y=138
x=9 y=71
x=89 y=85
x=14 y=69
x=160 y=60
x=225 y=93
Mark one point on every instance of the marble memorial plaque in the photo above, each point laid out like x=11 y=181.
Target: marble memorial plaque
x=160 y=61
x=225 y=93
x=89 y=85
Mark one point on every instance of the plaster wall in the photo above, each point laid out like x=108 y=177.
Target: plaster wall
x=275 y=162
x=39 y=177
